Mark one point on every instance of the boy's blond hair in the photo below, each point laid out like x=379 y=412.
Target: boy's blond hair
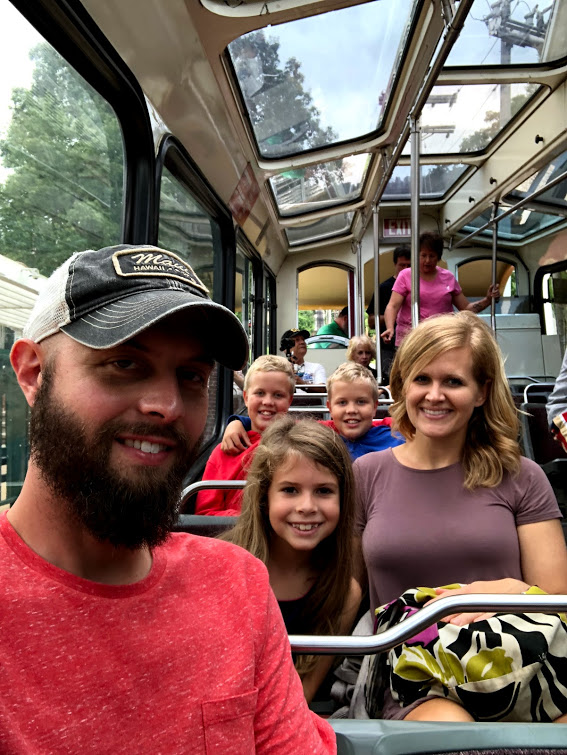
x=352 y=372
x=271 y=363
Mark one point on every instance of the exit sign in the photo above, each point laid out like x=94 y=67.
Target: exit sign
x=397 y=228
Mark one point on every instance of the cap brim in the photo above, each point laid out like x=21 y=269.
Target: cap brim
x=119 y=321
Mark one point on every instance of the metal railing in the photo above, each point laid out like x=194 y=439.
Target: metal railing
x=378 y=643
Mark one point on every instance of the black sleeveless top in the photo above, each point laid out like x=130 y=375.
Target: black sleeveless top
x=294 y=613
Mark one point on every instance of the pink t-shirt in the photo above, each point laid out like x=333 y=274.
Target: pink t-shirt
x=435 y=298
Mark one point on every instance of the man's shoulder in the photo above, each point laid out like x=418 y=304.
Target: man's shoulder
x=387 y=284
x=195 y=550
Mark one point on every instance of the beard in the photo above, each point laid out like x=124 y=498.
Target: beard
x=76 y=466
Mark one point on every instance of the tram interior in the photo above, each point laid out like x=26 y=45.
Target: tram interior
x=284 y=148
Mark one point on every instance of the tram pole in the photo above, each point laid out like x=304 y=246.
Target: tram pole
x=359 y=296
x=376 y=237
x=493 y=271
x=415 y=141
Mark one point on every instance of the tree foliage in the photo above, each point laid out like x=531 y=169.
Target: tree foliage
x=281 y=109
x=480 y=139
x=63 y=149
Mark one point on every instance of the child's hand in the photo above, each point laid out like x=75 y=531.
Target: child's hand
x=497 y=586
x=235 y=439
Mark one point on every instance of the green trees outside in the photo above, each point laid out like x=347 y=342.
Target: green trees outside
x=281 y=110
x=63 y=151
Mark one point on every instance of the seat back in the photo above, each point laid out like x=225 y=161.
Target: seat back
x=537 y=393
x=538 y=441
x=206 y=526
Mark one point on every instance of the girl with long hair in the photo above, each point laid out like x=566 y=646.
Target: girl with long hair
x=456 y=502
x=297 y=517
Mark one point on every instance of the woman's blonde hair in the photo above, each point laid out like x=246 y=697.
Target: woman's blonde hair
x=333 y=557
x=270 y=363
x=360 y=342
x=491 y=446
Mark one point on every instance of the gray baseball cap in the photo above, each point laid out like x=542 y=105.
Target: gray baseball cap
x=102 y=298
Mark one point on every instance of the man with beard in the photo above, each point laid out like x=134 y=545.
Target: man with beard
x=118 y=636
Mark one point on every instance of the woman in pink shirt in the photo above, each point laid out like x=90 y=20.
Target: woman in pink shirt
x=439 y=291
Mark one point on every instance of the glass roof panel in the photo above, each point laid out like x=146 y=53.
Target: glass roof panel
x=557 y=195
x=436 y=180
x=519 y=33
x=467 y=117
x=300 y=94
x=517 y=226
x=334 y=225
x=306 y=189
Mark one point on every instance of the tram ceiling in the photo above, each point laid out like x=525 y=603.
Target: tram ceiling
x=340 y=142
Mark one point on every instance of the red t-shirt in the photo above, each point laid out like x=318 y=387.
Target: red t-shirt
x=193 y=658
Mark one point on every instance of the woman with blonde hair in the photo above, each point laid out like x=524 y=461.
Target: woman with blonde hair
x=362 y=350
x=457 y=502
x=297 y=517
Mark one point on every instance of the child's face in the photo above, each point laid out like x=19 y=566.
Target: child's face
x=303 y=503
x=268 y=394
x=352 y=407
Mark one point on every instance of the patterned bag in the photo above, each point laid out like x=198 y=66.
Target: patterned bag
x=512 y=667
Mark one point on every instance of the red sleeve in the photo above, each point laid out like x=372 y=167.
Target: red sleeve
x=221 y=466
x=211 y=502
x=384 y=422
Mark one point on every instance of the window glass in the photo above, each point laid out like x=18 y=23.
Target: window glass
x=301 y=94
x=517 y=226
x=436 y=180
x=185 y=228
x=335 y=225
x=244 y=297
x=467 y=117
x=503 y=33
x=557 y=195
x=61 y=187
x=318 y=186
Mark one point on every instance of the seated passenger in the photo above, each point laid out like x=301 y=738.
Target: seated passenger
x=352 y=401
x=306 y=373
x=362 y=350
x=456 y=503
x=268 y=391
x=118 y=636
x=297 y=517
x=557 y=405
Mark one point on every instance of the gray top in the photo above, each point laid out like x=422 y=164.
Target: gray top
x=422 y=528
x=557 y=401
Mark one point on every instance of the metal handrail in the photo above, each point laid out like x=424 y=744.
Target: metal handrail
x=195 y=487
x=317 y=409
x=378 y=643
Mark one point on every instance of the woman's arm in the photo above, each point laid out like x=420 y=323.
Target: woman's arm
x=390 y=315
x=313 y=680
x=461 y=302
x=544 y=555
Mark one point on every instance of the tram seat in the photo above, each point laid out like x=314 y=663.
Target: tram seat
x=381 y=412
x=540 y=445
x=206 y=526
x=415 y=737
x=537 y=393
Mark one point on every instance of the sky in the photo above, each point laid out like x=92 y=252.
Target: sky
x=346 y=76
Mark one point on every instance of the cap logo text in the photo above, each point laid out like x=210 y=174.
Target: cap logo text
x=145 y=262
